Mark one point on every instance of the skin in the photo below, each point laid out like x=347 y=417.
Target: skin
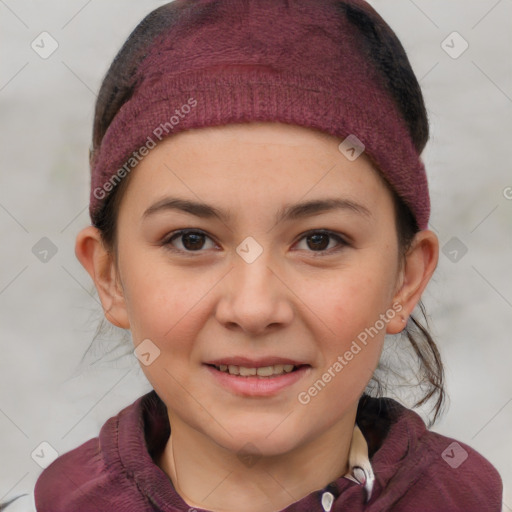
x=302 y=298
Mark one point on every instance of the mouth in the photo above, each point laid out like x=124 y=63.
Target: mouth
x=265 y=377
x=264 y=372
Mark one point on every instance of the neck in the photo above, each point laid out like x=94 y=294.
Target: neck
x=208 y=476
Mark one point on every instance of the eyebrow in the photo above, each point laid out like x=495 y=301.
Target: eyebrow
x=286 y=213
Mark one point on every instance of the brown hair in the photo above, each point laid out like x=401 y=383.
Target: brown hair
x=383 y=48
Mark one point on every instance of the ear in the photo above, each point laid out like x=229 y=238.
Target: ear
x=100 y=265
x=420 y=263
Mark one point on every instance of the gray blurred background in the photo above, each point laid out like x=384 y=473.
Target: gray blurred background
x=49 y=314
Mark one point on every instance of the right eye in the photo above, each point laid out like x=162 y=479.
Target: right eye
x=190 y=240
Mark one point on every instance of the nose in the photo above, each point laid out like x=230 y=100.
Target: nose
x=255 y=298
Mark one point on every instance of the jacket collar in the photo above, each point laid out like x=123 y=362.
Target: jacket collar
x=360 y=469
x=149 y=413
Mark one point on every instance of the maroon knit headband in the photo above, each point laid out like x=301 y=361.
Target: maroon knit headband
x=232 y=61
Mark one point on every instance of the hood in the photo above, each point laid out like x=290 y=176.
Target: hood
x=404 y=467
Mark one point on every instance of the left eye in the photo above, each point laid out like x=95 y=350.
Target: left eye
x=194 y=241
x=319 y=241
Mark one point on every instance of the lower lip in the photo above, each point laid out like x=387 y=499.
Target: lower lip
x=258 y=386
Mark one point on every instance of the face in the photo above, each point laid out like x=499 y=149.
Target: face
x=258 y=246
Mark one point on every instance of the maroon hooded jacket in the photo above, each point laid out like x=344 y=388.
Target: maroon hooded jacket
x=416 y=470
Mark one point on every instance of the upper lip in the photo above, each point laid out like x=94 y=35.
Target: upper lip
x=254 y=363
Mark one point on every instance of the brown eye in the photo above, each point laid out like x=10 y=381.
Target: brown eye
x=192 y=241
x=320 y=241
x=187 y=241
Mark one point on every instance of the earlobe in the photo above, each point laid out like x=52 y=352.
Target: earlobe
x=94 y=257
x=420 y=264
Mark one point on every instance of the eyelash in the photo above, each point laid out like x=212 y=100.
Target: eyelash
x=167 y=242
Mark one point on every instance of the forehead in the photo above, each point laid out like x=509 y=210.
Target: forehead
x=254 y=163
x=252 y=142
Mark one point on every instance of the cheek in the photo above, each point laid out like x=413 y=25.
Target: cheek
x=349 y=341
x=350 y=299
x=162 y=301
x=355 y=319
x=352 y=308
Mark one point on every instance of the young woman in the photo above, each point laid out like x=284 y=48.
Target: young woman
x=260 y=214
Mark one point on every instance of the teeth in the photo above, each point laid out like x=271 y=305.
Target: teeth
x=245 y=372
x=234 y=370
x=263 y=371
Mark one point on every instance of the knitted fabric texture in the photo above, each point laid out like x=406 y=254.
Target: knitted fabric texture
x=236 y=61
